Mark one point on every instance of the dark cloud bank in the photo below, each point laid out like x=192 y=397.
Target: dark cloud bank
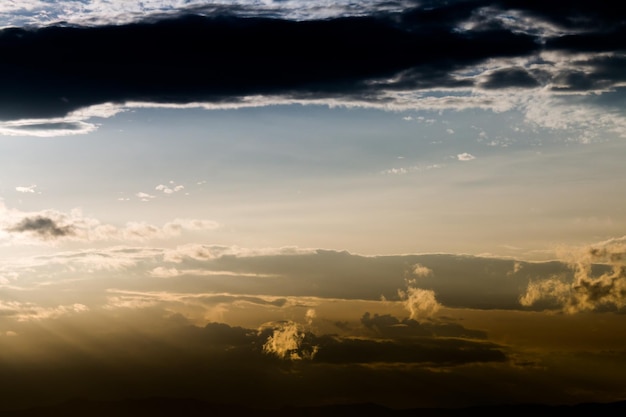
x=50 y=71
x=107 y=356
x=461 y=281
x=143 y=355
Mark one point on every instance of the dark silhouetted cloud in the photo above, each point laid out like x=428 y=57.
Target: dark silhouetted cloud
x=389 y=326
x=510 y=78
x=44 y=227
x=219 y=56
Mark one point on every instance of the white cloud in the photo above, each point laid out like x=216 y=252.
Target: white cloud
x=95 y=12
x=29 y=189
x=169 y=190
x=144 y=196
x=407 y=170
x=465 y=157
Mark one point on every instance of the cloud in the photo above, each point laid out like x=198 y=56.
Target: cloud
x=348 y=55
x=509 y=78
x=390 y=327
x=178 y=225
x=43 y=227
x=593 y=287
x=144 y=196
x=97 y=12
x=164 y=272
x=421 y=271
x=52 y=225
x=27 y=311
x=169 y=190
x=29 y=189
x=207 y=252
x=465 y=157
x=434 y=352
x=288 y=340
x=419 y=302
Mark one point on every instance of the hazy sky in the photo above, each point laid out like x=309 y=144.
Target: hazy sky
x=312 y=202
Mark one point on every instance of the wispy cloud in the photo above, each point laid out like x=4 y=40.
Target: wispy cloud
x=27 y=311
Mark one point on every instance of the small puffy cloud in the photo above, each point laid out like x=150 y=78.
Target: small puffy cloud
x=465 y=156
x=450 y=131
x=288 y=340
x=169 y=189
x=420 y=271
x=144 y=196
x=310 y=315
x=29 y=189
x=164 y=272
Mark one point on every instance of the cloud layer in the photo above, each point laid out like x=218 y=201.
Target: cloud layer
x=387 y=55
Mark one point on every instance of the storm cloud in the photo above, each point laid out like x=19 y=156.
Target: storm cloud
x=226 y=56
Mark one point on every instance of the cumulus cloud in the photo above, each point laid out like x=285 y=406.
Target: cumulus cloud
x=421 y=271
x=465 y=157
x=288 y=340
x=420 y=303
x=599 y=281
x=310 y=315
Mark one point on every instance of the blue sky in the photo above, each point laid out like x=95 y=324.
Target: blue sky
x=299 y=193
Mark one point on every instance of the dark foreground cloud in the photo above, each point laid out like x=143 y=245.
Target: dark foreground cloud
x=223 y=57
x=105 y=355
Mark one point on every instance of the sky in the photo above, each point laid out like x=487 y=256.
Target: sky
x=275 y=203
